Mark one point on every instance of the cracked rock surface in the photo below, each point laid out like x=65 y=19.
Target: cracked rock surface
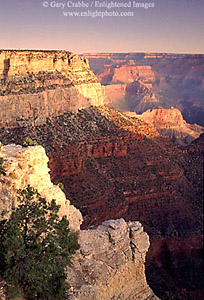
x=110 y=263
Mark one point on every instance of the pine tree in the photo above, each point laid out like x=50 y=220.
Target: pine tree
x=36 y=246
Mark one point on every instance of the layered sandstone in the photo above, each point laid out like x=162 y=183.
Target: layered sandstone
x=127 y=74
x=170 y=123
x=28 y=166
x=50 y=81
x=115 y=166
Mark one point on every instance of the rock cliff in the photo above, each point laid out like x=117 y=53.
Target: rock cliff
x=29 y=166
x=111 y=261
x=170 y=123
x=112 y=165
x=50 y=81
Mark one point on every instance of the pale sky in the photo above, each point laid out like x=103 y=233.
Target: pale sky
x=170 y=26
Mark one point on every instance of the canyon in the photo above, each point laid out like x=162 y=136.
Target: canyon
x=116 y=247
x=112 y=165
x=152 y=79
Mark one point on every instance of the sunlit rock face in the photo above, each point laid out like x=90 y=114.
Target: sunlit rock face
x=110 y=263
x=39 y=84
x=170 y=123
x=28 y=166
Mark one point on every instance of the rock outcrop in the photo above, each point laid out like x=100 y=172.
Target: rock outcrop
x=170 y=123
x=111 y=261
x=127 y=74
x=28 y=166
x=52 y=82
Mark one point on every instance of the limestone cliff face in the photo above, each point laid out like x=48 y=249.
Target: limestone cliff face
x=39 y=84
x=110 y=263
x=29 y=166
x=170 y=123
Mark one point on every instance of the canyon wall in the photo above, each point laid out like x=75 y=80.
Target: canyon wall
x=111 y=259
x=170 y=123
x=124 y=85
x=52 y=82
x=172 y=80
x=113 y=166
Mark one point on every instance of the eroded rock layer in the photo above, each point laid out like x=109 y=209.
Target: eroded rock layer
x=113 y=166
x=52 y=82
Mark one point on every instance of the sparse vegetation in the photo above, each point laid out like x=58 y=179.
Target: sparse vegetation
x=36 y=246
x=2 y=167
x=61 y=186
x=29 y=142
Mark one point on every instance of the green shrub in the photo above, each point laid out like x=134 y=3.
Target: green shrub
x=29 y=142
x=12 y=292
x=61 y=186
x=36 y=246
x=2 y=167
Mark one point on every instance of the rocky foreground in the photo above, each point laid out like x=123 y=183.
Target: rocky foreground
x=110 y=262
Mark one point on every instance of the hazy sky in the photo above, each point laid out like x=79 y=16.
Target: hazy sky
x=169 y=26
